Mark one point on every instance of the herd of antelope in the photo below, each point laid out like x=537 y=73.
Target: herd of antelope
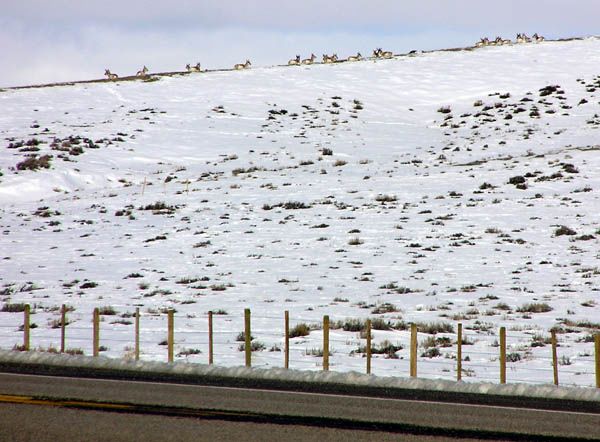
x=499 y=41
x=297 y=61
x=377 y=53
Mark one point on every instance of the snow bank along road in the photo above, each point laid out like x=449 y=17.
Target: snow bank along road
x=411 y=412
x=432 y=189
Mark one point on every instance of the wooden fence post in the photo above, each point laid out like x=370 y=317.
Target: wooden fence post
x=554 y=357
x=137 y=333
x=210 y=337
x=368 y=325
x=459 y=353
x=96 y=338
x=286 y=324
x=413 y=350
x=63 y=324
x=326 y=343
x=503 y=355
x=248 y=337
x=26 y=327
x=597 y=348
x=170 y=326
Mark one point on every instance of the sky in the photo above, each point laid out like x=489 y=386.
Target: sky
x=44 y=41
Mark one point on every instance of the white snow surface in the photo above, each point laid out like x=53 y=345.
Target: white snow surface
x=412 y=217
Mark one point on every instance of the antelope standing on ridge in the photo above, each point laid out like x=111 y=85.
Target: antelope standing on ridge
x=380 y=53
x=240 y=66
x=310 y=60
x=356 y=57
x=500 y=41
x=522 y=38
x=142 y=72
x=330 y=58
x=294 y=61
x=110 y=75
x=483 y=42
x=385 y=54
x=537 y=38
x=193 y=68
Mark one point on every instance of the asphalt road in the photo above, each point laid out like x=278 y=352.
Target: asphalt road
x=21 y=423
x=37 y=405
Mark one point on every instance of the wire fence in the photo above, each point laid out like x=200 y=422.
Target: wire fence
x=425 y=350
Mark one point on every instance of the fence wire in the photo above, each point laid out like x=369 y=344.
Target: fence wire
x=436 y=353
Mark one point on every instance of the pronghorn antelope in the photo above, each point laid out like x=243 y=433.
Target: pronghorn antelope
x=499 y=41
x=310 y=60
x=294 y=61
x=142 y=72
x=193 y=68
x=380 y=53
x=385 y=54
x=356 y=57
x=522 y=38
x=240 y=66
x=330 y=58
x=483 y=42
x=537 y=38
x=110 y=75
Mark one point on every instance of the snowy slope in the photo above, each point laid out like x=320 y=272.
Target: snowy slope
x=431 y=207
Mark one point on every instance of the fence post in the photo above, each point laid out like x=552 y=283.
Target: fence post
x=413 y=350
x=503 y=355
x=63 y=324
x=26 y=328
x=554 y=356
x=368 y=325
x=248 y=337
x=597 y=348
x=137 y=333
x=210 y=337
x=326 y=343
x=170 y=326
x=459 y=353
x=286 y=324
x=96 y=338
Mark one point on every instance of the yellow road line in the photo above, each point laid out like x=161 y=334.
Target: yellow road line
x=28 y=400
x=108 y=406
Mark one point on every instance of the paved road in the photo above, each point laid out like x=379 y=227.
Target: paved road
x=48 y=424
x=266 y=413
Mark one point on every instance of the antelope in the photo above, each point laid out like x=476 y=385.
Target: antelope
x=537 y=38
x=356 y=57
x=380 y=53
x=143 y=72
x=385 y=54
x=522 y=38
x=240 y=66
x=499 y=41
x=310 y=60
x=294 y=61
x=193 y=68
x=330 y=58
x=110 y=75
x=483 y=42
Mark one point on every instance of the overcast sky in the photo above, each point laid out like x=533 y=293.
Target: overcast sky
x=61 y=40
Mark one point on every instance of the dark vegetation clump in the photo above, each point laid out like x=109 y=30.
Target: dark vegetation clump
x=519 y=179
x=564 y=230
x=34 y=163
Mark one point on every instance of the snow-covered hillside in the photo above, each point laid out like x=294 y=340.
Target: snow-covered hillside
x=436 y=188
